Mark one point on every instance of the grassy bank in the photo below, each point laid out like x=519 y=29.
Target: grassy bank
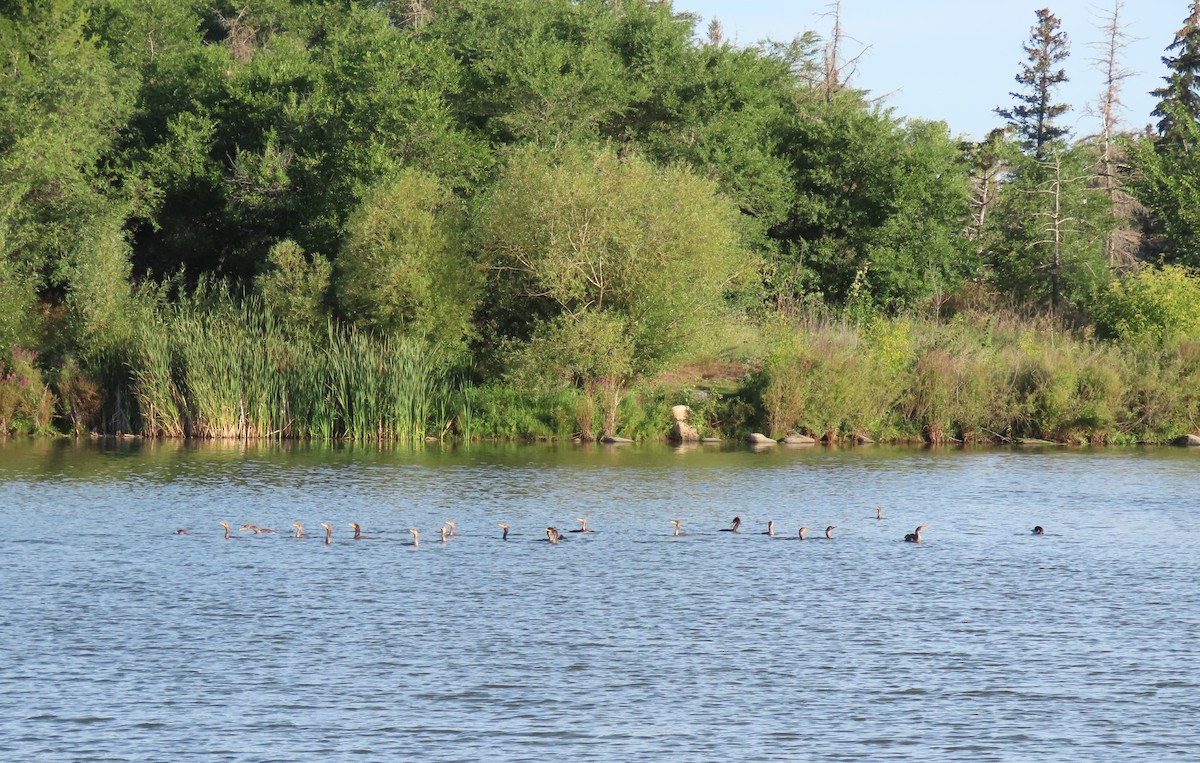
x=976 y=378
x=226 y=369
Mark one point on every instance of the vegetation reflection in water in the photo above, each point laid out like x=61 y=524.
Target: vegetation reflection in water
x=126 y=641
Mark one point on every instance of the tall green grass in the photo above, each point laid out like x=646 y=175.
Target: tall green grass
x=216 y=367
x=973 y=379
x=505 y=412
x=211 y=366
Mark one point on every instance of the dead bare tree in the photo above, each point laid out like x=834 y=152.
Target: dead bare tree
x=240 y=35
x=1058 y=224
x=1121 y=245
x=413 y=14
x=716 y=34
x=837 y=72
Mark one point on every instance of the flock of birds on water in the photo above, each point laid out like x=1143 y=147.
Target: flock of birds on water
x=553 y=534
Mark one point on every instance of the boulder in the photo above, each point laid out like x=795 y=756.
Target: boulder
x=681 y=430
x=1188 y=441
x=614 y=440
x=759 y=439
x=798 y=439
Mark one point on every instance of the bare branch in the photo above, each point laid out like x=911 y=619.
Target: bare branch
x=1118 y=253
x=838 y=71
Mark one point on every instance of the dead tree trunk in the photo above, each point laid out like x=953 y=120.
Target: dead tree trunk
x=1121 y=242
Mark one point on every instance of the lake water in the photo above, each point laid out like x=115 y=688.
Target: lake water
x=120 y=640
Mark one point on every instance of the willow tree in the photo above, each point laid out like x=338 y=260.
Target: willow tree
x=606 y=266
x=1035 y=111
x=403 y=267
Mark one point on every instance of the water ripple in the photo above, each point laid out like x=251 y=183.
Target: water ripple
x=123 y=641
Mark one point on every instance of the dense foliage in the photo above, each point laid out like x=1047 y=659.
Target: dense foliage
x=287 y=218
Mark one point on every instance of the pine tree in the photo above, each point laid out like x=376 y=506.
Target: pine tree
x=1166 y=170
x=1180 y=97
x=1034 y=114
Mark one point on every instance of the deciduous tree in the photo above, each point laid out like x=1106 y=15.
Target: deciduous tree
x=873 y=193
x=63 y=108
x=403 y=267
x=637 y=258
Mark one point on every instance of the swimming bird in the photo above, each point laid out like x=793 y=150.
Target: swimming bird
x=553 y=535
x=357 y=530
x=450 y=526
x=328 y=532
x=829 y=532
x=737 y=522
x=802 y=531
x=878 y=512
x=258 y=530
x=1038 y=530
x=416 y=538
x=915 y=535
x=770 y=528
x=678 y=527
x=226 y=526
x=583 y=526
x=504 y=531
x=299 y=529
x=182 y=532
x=443 y=533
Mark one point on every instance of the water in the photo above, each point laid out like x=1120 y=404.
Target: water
x=122 y=641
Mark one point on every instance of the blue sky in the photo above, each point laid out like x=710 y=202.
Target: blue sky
x=955 y=60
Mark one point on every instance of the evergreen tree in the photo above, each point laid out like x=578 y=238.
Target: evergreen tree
x=1034 y=113
x=1165 y=174
x=1166 y=169
x=1180 y=97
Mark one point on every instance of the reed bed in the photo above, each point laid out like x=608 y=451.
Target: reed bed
x=233 y=371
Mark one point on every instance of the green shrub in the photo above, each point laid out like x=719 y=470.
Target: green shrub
x=505 y=412
x=1155 y=304
x=26 y=402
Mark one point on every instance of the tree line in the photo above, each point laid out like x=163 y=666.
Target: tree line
x=545 y=195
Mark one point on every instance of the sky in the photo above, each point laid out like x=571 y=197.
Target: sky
x=955 y=60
